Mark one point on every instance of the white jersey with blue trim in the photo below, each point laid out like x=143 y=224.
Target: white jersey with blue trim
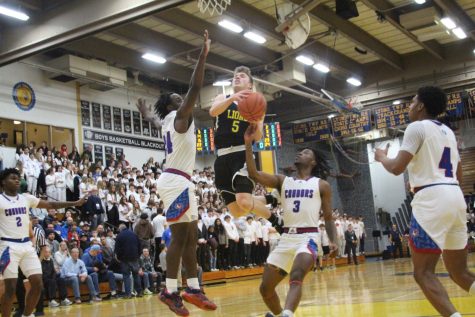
x=15 y=215
x=180 y=148
x=435 y=153
x=301 y=202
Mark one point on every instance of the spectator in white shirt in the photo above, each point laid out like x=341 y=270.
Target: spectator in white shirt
x=249 y=239
x=158 y=224
x=233 y=239
x=50 y=185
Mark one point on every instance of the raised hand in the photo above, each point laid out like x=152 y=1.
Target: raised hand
x=380 y=154
x=206 y=43
x=250 y=133
x=241 y=95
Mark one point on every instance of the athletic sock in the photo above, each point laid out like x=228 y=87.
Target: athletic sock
x=287 y=313
x=113 y=293
x=471 y=291
x=193 y=283
x=456 y=315
x=172 y=285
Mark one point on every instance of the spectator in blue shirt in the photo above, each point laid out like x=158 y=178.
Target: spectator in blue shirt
x=74 y=272
x=97 y=269
x=127 y=250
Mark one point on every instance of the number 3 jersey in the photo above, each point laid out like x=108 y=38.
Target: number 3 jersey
x=301 y=202
x=435 y=152
x=179 y=147
x=15 y=215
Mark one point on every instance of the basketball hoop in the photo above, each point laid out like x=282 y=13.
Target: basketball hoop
x=354 y=104
x=213 y=6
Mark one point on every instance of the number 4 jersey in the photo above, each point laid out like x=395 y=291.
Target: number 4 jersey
x=15 y=215
x=435 y=152
x=180 y=147
x=301 y=202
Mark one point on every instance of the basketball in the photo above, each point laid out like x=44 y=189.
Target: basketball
x=253 y=107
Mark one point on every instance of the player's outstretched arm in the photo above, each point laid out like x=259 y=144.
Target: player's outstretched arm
x=268 y=180
x=147 y=113
x=184 y=113
x=326 y=195
x=61 y=204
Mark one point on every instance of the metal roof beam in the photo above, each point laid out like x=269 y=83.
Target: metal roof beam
x=432 y=47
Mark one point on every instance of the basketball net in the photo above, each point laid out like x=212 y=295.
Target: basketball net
x=353 y=103
x=213 y=6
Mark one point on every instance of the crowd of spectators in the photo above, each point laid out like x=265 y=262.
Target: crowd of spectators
x=121 y=233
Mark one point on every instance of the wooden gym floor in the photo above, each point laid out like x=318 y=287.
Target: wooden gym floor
x=383 y=288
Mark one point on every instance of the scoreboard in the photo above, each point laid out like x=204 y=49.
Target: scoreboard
x=271 y=139
x=205 y=141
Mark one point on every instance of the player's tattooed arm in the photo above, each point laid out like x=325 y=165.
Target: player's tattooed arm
x=61 y=204
x=267 y=180
x=326 y=195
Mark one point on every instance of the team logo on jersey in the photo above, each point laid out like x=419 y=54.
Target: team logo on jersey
x=24 y=96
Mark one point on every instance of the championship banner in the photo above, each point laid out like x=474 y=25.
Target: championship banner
x=310 y=131
x=117 y=119
x=127 y=121
x=98 y=153
x=136 y=121
x=107 y=117
x=204 y=141
x=455 y=104
x=392 y=116
x=97 y=136
x=96 y=116
x=348 y=125
x=85 y=113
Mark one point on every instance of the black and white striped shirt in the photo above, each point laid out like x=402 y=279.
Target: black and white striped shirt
x=40 y=239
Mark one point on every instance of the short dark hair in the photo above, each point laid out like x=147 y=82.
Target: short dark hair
x=161 y=106
x=7 y=172
x=434 y=100
x=245 y=70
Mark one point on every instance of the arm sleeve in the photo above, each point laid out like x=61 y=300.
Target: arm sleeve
x=413 y=137
x=32 y=200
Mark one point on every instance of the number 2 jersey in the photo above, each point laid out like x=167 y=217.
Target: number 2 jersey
x=435 y=152
x=180 y=148
x=301 y=202
x=230 y=127
x=15 y=215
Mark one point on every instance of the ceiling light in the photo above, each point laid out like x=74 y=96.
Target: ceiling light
x=459 y=33
x=420 y=1
x=321 y=68
x=16 y=122
x=14 y=13
x=154 y=58
x=255 y=37
x=331 y=116
x=353 y=81
x=231 y=26
x=305 y=60
x=396 y=102
x=474 y=51
x=222 y=83
x=449 y=23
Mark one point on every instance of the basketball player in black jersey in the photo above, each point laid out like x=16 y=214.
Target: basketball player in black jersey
x=230 y=170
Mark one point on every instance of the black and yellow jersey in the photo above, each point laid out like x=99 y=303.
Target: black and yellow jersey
x=230 y=127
